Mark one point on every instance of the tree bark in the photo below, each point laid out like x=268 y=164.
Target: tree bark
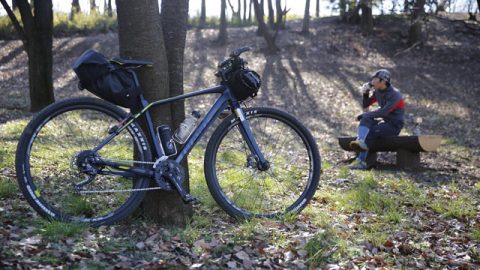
x=109 y=8
x=75 y=8
x=244 y=20
x=222 y=34
x=415 y=34
x=366 y=20
x=306 y=18
x=203 y=15
x=266 y=32
x=280 y=13
x=36 y=35
x=317 y=9
x=271 y=15
x=93 y=6
x=141 y=36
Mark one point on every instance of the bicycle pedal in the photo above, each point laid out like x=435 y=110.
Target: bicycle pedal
x=191 y=199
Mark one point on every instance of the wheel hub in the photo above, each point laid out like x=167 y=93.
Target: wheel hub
x=85 y=162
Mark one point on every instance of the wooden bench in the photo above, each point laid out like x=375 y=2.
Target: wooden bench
x=408 y=148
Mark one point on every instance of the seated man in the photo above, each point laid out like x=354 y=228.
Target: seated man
x=385 y=121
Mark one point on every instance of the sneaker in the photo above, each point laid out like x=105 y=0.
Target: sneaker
x=359 y=145
x=358 y=165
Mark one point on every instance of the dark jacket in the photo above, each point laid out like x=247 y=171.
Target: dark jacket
x=390 y=100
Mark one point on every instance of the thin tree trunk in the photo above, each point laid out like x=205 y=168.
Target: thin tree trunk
x=109 y=8
x=317 y=9
x=279 y=24
x=36 y=35
x=222 y=34
x=93 y=6
x=261 y=12
x=75 y=8
x=250 y=11
x=245 y=11
x=415 y=34
x=366 y=20
x=269 y=37
x=306 y=18
x=271 y=15
x=203 y=15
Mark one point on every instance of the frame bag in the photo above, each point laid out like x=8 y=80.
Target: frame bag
x=106 y=80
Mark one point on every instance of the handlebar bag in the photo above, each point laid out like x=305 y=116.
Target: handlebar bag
x=106 y=80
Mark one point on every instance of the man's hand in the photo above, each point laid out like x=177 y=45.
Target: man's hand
x=359 y=117
x=366 y=88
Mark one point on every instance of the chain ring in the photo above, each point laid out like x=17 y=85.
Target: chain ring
x=169 y=170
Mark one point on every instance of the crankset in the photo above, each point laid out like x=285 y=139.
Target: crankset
x=170 y=175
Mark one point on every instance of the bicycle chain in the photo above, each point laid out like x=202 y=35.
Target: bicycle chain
x=118 y=190
x=122 y=190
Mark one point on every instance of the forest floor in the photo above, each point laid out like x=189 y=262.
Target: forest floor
x=383 y=218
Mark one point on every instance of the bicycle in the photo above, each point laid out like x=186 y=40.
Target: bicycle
x=86 y=160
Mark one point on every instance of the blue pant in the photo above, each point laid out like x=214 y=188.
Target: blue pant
x=379 y=129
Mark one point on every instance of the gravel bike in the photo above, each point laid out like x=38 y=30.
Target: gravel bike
x=86 y=160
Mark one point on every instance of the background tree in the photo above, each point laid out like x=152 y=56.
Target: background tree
x=236 y=15
x=317 y=9
x=366 y=20
x=222 y=34
x=75 y=8
x=36 y=35
x=141 y=35
x=280 y=24
x=264 y=29
x=93 y=6
x=306 y=18
x=245 y=7
x=415 y=33
x=271 y=14
x=203 y=15
x=109 y=8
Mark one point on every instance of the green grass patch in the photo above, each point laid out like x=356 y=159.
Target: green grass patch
x=461 y=207
x=8 y=188
x=364 y=197
x=374 y=233
x=475 y=234
x=323 y=248
x=57 y=230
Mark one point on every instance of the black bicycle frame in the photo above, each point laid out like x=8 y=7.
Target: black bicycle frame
x=225 y=99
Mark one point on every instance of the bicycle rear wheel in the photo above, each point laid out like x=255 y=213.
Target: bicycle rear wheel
x=48 y=155
x=244 y=191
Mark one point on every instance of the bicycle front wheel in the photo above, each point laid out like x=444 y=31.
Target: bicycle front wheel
x=244 y=191
x=56 y=145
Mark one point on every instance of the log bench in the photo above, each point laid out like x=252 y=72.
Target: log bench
x=408 y=148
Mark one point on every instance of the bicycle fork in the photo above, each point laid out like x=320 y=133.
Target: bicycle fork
x=244 y=127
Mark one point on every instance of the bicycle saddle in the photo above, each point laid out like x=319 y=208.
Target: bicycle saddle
x=131 y=62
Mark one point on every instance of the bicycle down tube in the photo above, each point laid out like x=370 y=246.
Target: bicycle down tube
x=219 y=105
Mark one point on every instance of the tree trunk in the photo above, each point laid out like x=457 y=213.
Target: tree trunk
x=306 y=18
x=14 y=4
x=366 y=20
x=262 y=14
x=317 y=9
x=415 y=34
x=279 y=24
x=244 y=20
x=141 y=36
x=271 y=15
x=250 y=11
x=93 y=6
x=203 y=15
x=75 y=8
x=36 y=35
x=269 y=37
x=109 y=8
x=222 y=34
